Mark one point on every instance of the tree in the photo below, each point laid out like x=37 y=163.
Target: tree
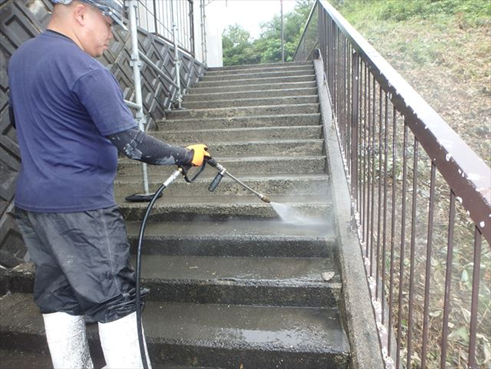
x=238 y=48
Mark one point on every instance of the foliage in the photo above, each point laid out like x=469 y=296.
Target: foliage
x=473 y=12
x=240 y=48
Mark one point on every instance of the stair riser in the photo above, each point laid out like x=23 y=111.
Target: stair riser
x=222 y=358
x=218 y=212
x=257 y=81
x=246 y=246
x=252 y=102
x=204 y=292
x=215 y=72
x=243 y=112
x=256 y=75
x=288 y=85
x=166 y=355
x=244 y=122
x=229 y=188
x=284 y=133
x=237 y=167
x=250 y=94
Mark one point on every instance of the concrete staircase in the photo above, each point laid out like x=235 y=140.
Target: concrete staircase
x=232 y=285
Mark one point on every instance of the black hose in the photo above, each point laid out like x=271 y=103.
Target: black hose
x=138 y=272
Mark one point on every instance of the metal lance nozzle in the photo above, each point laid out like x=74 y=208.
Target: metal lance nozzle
x=222 y=171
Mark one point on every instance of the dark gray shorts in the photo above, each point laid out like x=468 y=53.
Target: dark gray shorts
x=82 y=262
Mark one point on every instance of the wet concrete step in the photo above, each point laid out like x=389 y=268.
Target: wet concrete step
x=264 y=101
x=284 y=85
x=257 y=81
x=292 y=148
x=266 y=281
x=15 y=359
x=255 y=238
x=259 y=68
x=250 y=94
x=241 y=280
x=271 y=184
x=257 y=121
x=18 y=359
x=240 y=134
x=257 y=74
x=238 y=166
x=217 y=336
x=244 y=111
x=215 y=207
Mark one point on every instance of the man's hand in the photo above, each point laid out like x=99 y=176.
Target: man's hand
x=200 y=151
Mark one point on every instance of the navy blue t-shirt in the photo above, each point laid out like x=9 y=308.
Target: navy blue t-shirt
x=65 y=104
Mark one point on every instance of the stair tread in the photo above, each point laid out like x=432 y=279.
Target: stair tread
x=217 y=94
x=258 y=229
x=273 y=271
x=225 y=159
x=228 y=201
x=246 y=119
x=238 y=130
x=256 y=177
x=282 y=85
x=269 y=142
x=255 y=99
x=279 y=106
x=271 y=80
x=291 y=329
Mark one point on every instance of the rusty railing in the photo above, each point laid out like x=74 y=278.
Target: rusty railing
x=155 y=16
x=421 y=205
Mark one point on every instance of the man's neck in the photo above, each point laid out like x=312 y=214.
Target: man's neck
x=65 y=31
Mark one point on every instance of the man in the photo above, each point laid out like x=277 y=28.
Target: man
x=71 y=120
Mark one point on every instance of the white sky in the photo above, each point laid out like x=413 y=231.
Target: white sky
x=250 y=13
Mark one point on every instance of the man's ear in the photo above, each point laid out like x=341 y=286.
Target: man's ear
x=80 y=13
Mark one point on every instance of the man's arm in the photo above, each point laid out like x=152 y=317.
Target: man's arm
x=137 y=145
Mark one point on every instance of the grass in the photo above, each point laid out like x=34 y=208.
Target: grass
x=442 y=49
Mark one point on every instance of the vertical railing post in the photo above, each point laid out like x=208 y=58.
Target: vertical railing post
x=355 y=72
x=191 y=27
x=137 y=64
x=177 y=61
x=156 y=31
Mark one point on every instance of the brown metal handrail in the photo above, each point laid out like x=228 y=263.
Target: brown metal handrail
x=407 y=170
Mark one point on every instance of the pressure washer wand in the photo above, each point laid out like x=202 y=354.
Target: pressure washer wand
x=222 y=171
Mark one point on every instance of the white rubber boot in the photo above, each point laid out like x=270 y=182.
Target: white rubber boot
x=67 y=341
x=119 y=341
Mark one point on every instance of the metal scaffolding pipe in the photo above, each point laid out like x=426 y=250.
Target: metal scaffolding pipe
x=136 y=64
x=204 y=51
x=177 y=61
